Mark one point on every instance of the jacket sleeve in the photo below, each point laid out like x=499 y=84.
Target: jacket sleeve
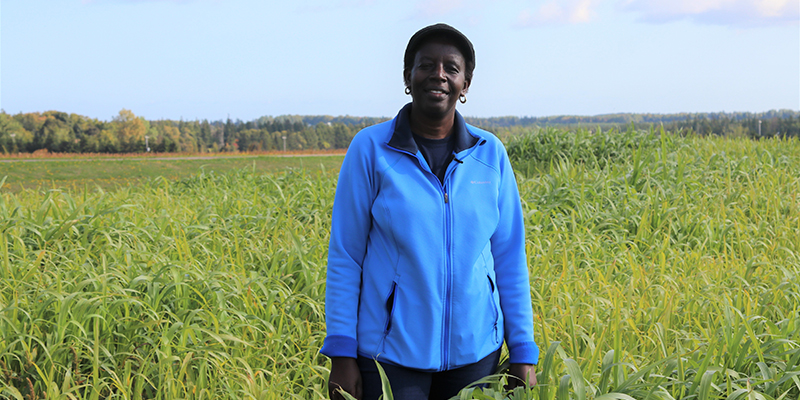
x=350 y=225
x=511 y=268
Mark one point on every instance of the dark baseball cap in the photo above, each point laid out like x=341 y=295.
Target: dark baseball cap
x=439 y=30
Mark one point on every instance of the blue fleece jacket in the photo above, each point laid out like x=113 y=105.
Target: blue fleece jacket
x=422 y=274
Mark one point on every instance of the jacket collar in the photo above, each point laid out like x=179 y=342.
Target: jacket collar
x=402 y=138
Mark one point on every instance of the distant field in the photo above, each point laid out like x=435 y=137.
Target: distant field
x=111 y=172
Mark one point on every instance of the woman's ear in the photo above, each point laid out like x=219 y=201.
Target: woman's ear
x=407 y=77
x=466 y=87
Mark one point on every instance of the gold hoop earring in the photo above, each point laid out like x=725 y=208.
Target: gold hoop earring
x=462 y=99
x=408 y=90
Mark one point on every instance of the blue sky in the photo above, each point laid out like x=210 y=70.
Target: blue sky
x=207 y=59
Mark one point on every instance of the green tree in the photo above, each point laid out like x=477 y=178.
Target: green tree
x=13 y=136
x=108 y=142
x=54 y=134
x=130 y=131
x=188 y=143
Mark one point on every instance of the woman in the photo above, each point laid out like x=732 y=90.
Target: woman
x=427 y=272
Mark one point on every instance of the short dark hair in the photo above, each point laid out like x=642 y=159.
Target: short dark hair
x=440 y=31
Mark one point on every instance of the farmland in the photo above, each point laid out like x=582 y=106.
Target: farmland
x=661 y=266
x=69 y=171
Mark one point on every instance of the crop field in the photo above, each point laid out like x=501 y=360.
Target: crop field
x=662 y=267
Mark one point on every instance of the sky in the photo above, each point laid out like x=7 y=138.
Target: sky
x=243 y=59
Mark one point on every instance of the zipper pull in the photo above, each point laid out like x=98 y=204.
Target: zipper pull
x=445 y=197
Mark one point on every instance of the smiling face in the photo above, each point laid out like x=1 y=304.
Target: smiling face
x=437 y=78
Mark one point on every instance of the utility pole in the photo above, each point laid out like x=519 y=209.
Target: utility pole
x=759 y=128
x=284 y=143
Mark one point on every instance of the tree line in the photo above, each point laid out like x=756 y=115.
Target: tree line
x=60 y=132
x=784 y=123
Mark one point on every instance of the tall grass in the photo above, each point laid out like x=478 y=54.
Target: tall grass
x=662 y=267
x=669 y=272
x=209 y=287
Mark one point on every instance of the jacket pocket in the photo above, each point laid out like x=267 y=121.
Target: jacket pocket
x=493 y=305
x=390 y=302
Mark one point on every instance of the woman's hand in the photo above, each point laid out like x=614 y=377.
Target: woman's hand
x=521 y=375
x=345 y=376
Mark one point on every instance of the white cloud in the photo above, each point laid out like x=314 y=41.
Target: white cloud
x=559 y=12
x=718 y=12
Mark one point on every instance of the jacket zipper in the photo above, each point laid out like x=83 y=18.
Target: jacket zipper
x=448 y=285
x=448 y=269
x=448 y=256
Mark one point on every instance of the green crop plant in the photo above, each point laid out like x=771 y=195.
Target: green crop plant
x=679 y=259
x=662 y=267
x=208 y=287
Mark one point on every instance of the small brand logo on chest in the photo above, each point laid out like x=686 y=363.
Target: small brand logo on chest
x=480 y=182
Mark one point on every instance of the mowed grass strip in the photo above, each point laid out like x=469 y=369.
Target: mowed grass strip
x=113 y=173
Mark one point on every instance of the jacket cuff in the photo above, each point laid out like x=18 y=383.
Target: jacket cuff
x=524 y=353
x=340 y=346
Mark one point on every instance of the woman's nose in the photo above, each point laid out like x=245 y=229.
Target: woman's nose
x=438 y=72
